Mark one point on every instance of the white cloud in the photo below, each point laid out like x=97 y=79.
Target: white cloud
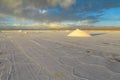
x=83 y=22
x=67 y=3
x=42 y=11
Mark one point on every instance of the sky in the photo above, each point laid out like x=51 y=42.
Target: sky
x=42 y=14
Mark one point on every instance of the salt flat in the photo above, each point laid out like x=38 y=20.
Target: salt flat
x=55 y=56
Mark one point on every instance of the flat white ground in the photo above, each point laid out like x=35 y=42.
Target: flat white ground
x=54 y=56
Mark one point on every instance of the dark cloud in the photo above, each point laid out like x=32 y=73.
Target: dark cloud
x=69 y=10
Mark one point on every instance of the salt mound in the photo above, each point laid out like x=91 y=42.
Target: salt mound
x=19 y=30
x=78 y=33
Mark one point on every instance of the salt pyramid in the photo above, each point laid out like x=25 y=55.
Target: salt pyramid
x=78 y=33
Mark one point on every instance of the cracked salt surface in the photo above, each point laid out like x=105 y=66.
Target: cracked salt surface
x=95 y=72
x=93 y=59
x=113 y=65
x=54 y=56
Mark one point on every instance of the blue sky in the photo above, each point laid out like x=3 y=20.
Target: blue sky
x=59 y=13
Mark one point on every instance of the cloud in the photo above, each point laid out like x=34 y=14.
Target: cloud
x=31 y=9
x=56 y=25
x=36 y=3
x=67 y=10
x=42 y=11
x=40 y=25
x=84 y=22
